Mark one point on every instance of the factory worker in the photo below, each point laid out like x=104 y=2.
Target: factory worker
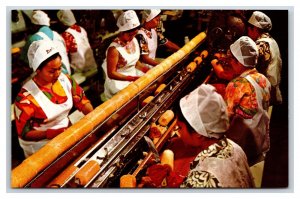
x=41 y=30
x=44 y=102
x=247 y=97
x=150 y=37
x=269 y=59
x=203 y=122
x=234 y=27
x=122 y=56
x=77 y=43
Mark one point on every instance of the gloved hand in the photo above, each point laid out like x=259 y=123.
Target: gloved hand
x=132 y=78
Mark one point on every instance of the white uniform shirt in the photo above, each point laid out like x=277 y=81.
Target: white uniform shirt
x=57 y=114
x=223 y=164
x=112 y=86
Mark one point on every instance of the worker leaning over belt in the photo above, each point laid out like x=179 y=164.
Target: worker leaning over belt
x=247 y=97
x=122 y=56
x=150 y=37
x=44 y=102
x=203 y=122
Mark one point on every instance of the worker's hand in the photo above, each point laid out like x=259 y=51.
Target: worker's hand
x=51 y=133
x=132 y=78
x=145 y=69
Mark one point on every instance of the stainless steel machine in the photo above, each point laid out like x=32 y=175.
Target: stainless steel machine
x=116 y=146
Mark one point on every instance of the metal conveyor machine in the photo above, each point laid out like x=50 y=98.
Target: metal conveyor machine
x=109 y=142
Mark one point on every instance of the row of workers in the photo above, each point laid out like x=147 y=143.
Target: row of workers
x=46 y=99
x=44 y=102
x=229 y=129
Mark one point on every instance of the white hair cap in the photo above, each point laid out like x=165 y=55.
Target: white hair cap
x=39 y=51
x=148 y=15
x=260 y=20
x=245 y=51
x=66 y=17
x=205 y=110
x=128 y=20
x=39 y=17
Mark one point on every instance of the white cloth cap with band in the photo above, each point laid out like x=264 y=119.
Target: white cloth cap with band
x=260 y=20
x=66 y=17
x=39 y=17
x=205 y=110
x=148 y=15
x=245 y=51
x=39 y=51
x=128 y=20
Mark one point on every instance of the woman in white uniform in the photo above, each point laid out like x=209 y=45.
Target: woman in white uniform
x=269 y=59
x=149 y=38
x=122 y=56
x=77 y=43
x=44 y=102
x=248 y=97
x=203 y=122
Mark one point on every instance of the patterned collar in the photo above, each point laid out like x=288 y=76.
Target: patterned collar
x=120 y=42
x=248 y=72
x=264 y=35
x=217 y=149
x=148 y=33
x=129 y=45
x=75 y=27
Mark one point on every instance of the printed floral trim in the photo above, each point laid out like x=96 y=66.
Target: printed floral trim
x=143 y=44
x=222 y=149
x=200 y=179
x=264 y=51
x=240 y=95
x=203 y=179
x=28 y=112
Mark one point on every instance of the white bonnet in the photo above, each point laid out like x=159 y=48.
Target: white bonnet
x=66 y=17
x=260 y=20
x=148 y=15
x=245 y=51
x=39 y=51
x=205 y=110
x=39 y=17
x=128 y=20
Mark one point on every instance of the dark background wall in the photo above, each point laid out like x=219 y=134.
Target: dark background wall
x=276 y=172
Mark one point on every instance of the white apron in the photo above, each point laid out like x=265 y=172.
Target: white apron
x=83 y=60
x=259 y=124
x=112 y=86
x=228 y=168
x=152 y=42
x=273 y=72
x=61 y=47
x=152 y=46
x=57 y=114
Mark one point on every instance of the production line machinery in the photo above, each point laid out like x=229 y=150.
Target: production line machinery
x=109 y=143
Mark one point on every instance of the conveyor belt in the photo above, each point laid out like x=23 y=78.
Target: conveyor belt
x=98 y=137
x=126 y=146
x=130 y=136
